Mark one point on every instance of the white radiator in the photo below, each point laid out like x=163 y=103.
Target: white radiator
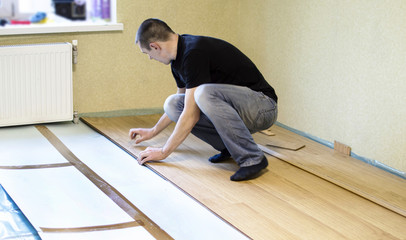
x=35 y=83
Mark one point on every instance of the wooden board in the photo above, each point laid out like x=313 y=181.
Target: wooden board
x=285 y=202
x=279 y=143
x=354 y=175
x=342 y=148
x=267 y=132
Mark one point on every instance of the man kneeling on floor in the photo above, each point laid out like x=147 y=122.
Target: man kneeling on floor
x=222 y=98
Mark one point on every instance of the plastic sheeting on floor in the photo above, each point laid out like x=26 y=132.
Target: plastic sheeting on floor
x=53 y=207
x=13 y=223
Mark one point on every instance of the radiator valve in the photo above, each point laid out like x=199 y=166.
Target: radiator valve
x=75 y=51
x=75 y=117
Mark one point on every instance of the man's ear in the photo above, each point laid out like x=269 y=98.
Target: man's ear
x=154 y=45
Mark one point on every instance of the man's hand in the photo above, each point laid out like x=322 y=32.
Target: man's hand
x=143 y=133
x=151 y=154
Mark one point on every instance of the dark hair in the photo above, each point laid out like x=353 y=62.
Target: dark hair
x=152 y=30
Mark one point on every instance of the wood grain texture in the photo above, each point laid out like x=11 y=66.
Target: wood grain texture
x=267 y=132
x=342 y=148
x=279 y=143
x=354 y=175
x=285 y=202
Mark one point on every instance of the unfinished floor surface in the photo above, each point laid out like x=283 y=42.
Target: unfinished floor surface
x=286 y=201
x=73 y=183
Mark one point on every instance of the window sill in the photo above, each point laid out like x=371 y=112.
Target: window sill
x=60 y=28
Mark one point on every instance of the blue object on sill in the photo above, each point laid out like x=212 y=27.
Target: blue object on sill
x=38 y=17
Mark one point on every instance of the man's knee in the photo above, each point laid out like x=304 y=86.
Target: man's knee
x=202 y=95
x=173 y=106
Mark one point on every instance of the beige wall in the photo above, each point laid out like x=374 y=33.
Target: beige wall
x=339 y=67
x=112 y=74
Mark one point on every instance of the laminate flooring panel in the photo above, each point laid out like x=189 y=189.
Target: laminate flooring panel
x=354 y=175
x=285 y=202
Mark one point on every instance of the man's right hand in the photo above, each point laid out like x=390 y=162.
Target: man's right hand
x=142 y=133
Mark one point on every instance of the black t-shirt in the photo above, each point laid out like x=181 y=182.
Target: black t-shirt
x=202 y=60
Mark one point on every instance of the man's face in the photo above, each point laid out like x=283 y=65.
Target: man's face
x=156 y=53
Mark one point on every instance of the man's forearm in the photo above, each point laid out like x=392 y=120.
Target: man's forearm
x=162 y=123
x=187 y=120
x=182 y=129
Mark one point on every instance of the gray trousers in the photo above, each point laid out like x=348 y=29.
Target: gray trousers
x=229 y=115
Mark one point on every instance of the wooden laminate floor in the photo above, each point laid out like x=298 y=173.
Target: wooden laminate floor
x=312 y=200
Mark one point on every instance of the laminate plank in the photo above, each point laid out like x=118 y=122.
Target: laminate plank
x=354 y=175
x=278 y=143
x=285 y=202
x=335 y=205
x=342 y=148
